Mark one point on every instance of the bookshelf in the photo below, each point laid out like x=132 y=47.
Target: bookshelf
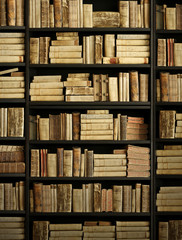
x=149 y=109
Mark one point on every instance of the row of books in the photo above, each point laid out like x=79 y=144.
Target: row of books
x=75 y=14
x=169 y=87
x=169 y=18
x=169 y=199
x=170 y=229
x=169 y=52
x=169 y=160
x=13 y=84
x=91 y=197
x=92 y=230
x=126 y=49
x=12 y=196
x=12 y=122
x=133 y=161
x=12 y=47
x=12 y=228
x=130 y=86
x=12 y=13
x=94 y=125
x=12 y=159
x=170 y=124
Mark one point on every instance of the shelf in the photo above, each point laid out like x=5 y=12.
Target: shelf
x=167 y=68
x=12 y=213
x=168 y=214
x=12 y=28
x=172 y=140
x=12 y=100
x=120 y=30
x=162 y=104
x=90 y=66
x=71 y=142
x=12 y=139
x=90 y=179
x=96 y=105
x=90 y=214
x=169 y=176
x=163 y=31
x=12 y=64
x=12 y=175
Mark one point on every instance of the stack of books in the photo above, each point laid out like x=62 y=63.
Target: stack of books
x=169 y=199
x=169 y=160
x=12 y=47
x=12 y=227
x=12 y=122
x=96 y=117
x=12 y=159
x=12 y=196
x=78 y=88
x=102 y=231
x=107 y=165
x=170 y=229
x=138 y=161
x=133 y=49
x=12 y=86
x=132 y=230
x=66 y=48
x=65 y=231
x=46 y=88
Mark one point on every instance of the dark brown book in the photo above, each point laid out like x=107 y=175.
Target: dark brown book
x=17 y=156
x=90 y=163
x=97 y=197
x=34 y=50
x=3 y=13
x=64 y=197
x=134 y=85
x=145 y=198
x=98 y=49
x=12 y=167
x=65 y=13
x=127 y=191
x=76 y=161
x=167 y=124
x=44 y=50
x=161 y=52
x=35 y=163
x=57 y=13
x=11 y=10
x=32 y=127
x=15 y=122
x=123 y=127
x=60 y=160
x=45 y=13
x=76 y=126
x=54 y=127
x=179 y=16
x=173 y=228
x=90 y=223
x=38 y=201
x=104 y=223
x=164 y=83
x=40 y=230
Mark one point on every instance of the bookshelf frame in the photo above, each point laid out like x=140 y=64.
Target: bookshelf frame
x=152 y=106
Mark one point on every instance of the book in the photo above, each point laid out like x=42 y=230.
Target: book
x=106 y=19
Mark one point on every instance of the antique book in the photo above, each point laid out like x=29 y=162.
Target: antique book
x=177 y=54
x=167 y=124
x=51 y=15
x=64 y=197
x=76 y=161
x=57 y=13
x=41 y=228
x=161 y=52
x=133 y=14
x=44 y=128
x=54 y=127
x=106 y=19
x=52 y=165
x=87 y=15
x=117 y=198
x=77 y=200
x=134 y=84
x=15 y=122
x=163 y=230
x=178 y=16
x=38 y=201
x=97 y=197
x=109 y=45
x=113 y=89
x=144 y=83
x=68 y=163
x=164 y=77
x=138 y=197
x=34 y=50
x=11 y=10
x=98 y=49
x=124 y=13
x=170 y=18
x=146 y=13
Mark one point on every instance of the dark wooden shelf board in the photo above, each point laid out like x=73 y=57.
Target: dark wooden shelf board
x=162 y=104
x=167 y=68
x=162 y=31
x=12 y=139
x=172 y=140
x=12 y=175
x=119 y=30
x=35 y=142
x=12 y=28
x=90 y=214
x=12 y=100
x=12 y=64
x=12 y=213
x=87 y=66
x=90 y=179
x=168 y=214
x=169 y=176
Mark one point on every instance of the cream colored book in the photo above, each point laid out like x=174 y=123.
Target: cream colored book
x=66 y=233
x=12 y=46
x=9 y=71
x=88 y=15
x=132 y=42
x=169 y=159
x=12 y=59
x=96 y=132
x=46 y=92
x=132 y=229
x=97 y=137
x=11 y=35
x=113 y=89
x=96 y=116
x=132 y=224
x=77 y=83
x=133 y=36
x=41 y=79
x=97 y=121
x=112 y=60
x=168 y=202
x=11 y=40
x=47 y=98
x=65 y=43
x=170 y=18
x=169 y=209
x=96 y=126
x=80 y=98
x=97 y=111
x=52 y=165
x=2 y=79
x=109 y=45
x=109 y=162
x=133 y=54
x=12 y=84
x=109 y=156
x=110 y=169
x=169 y=171
x=99 y=235
x=12 y=90
x=109 y=174
x=63 y=61
x=133 y=48
x=66 y=38
x=99 y=228
x=169 y=165
x=44 y=128
x=12 y=53
x=12 y=95
x=177 y=54
x=79 y=91
x=65 y=55
x=65 y=48
x=169 y=196
x=65 y=227
x=127 y=60
x=46 y=85
x=78 y=75
x=162 y=153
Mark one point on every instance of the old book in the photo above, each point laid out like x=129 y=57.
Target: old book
x=51 y=15
x=178 y=16
x=109 y=45
x=123 y=60
x=57 y=13
x=138 y=197
x=97 y=197
x=106 y=19
x=3 y=13
x=76 y=161
x=113 y=89
x=109 y=200
x=159 y=17
x=98 y=49
x=15 y=122
x=38 y=201
x=146 y=13
x=133 y=14
x=170 y=18
x=145 y=198
x=90 y=162
x=127 y=191
x=52 y=165
x=163 y=230
x=73 y=13
x=34 y=50
x=133 y=202
x=44 y=50
x=11 y=10
x=64 y=197
x=177 y=54
x=131 y=235
x=144 y=83
x=60 y=159
x=124 y=14
x=164 y=83
x=76 y=126
x=67 y=61
x=68 y=163
x=77 y=200
x=112 y=60
x=134 y=84
x=54 y=127
x=87 y=15
x=117 y=198
x=35 y=163
x=44 y=128
x=167 y=124
x=161 y=52
x=41 y=228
